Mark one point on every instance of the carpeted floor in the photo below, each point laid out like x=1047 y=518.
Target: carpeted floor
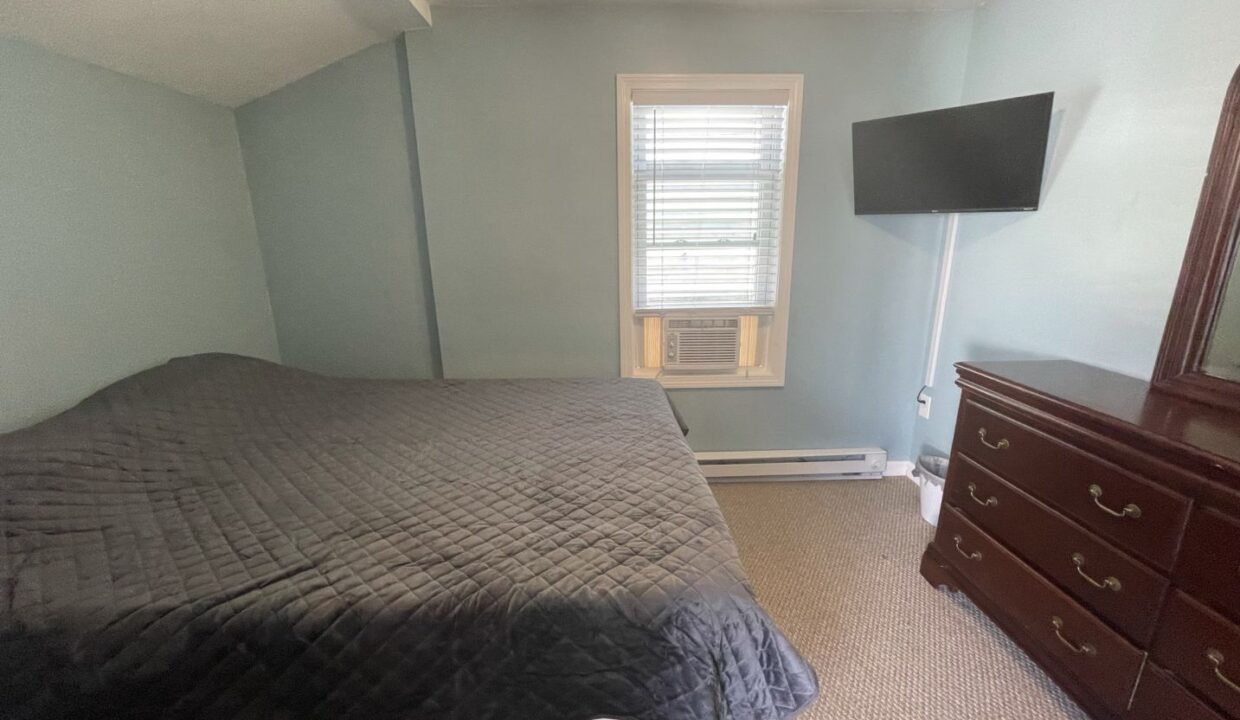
x=835 y=563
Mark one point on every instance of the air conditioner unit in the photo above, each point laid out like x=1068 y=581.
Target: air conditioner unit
x=701 y=342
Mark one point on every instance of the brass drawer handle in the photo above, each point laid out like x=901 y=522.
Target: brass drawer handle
x=988 y=502
x=1216 y=659
x=1130 y=510
x=1108 y=583
x=1083 y=649
x=976 y=555
x=1003 y=444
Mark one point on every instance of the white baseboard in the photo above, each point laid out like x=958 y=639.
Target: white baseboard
x=900 y=468
x=893 y=468
x=785 y=465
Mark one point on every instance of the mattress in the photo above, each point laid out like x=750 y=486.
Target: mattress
x=223 y=537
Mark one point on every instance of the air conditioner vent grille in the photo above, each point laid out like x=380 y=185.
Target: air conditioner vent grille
x=703 y=323
x=701 y=343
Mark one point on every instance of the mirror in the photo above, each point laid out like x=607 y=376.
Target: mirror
x=1200 y=353
x=1222 y=358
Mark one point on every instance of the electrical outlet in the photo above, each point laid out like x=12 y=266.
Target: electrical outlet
x=923 y=406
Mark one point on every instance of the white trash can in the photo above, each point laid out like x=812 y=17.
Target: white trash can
x=931 y=473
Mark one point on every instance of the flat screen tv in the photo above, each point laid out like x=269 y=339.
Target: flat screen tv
x=975 y=158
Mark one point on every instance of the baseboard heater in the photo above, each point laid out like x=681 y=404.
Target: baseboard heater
x=845 y=463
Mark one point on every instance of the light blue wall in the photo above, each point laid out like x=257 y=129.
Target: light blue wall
x=1139 y=85
x=517 y=138
x=128 y=233
x=125 y=232
x=334 y=191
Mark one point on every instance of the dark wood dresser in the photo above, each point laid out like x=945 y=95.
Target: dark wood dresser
x=1098 y=523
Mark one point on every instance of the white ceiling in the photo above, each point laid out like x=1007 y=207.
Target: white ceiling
x=227 y=51
x=832 y=5
x=232 y=51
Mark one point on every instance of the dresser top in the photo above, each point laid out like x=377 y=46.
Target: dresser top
x=1091 y=396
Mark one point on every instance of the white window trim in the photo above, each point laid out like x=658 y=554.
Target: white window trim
x=772 y=373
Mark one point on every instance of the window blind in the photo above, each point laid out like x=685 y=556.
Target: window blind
x=707 y=204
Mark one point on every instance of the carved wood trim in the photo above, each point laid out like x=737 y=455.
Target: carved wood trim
x=1212 y=246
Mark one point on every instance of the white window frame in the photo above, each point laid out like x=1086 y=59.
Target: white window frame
x=771 y=373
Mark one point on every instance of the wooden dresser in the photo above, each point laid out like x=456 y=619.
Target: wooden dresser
x=1098 y=523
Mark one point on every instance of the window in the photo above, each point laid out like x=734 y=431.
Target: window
x=707 y=184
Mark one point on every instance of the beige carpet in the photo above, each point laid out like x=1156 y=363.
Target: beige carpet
x=835 y=563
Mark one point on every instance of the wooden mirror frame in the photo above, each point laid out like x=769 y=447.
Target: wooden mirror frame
x=1212 y=247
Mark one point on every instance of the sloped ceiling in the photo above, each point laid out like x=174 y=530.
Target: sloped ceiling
x=232 y=51
x=829 y=5
x=226 y=51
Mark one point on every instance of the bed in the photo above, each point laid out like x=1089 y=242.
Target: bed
x=224 y=537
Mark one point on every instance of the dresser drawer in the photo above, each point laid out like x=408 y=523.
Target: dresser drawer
x=1112 y=584
x=1203 y=649
x=1159 y=697
x=1080 y=643
x=1132 y=512
x=1209 y=567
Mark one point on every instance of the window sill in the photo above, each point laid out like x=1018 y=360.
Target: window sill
x=748 y=377
x=710 y=311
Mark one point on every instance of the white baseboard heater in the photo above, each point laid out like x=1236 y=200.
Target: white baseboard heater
x=844 y=463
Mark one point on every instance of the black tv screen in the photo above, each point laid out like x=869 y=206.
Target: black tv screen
x=974 y=158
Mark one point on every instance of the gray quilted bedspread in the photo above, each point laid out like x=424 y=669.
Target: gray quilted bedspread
x=222 y=537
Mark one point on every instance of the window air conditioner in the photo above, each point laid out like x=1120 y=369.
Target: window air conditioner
x=701 y=342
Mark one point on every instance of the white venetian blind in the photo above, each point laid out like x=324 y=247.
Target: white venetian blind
x=707 y=204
